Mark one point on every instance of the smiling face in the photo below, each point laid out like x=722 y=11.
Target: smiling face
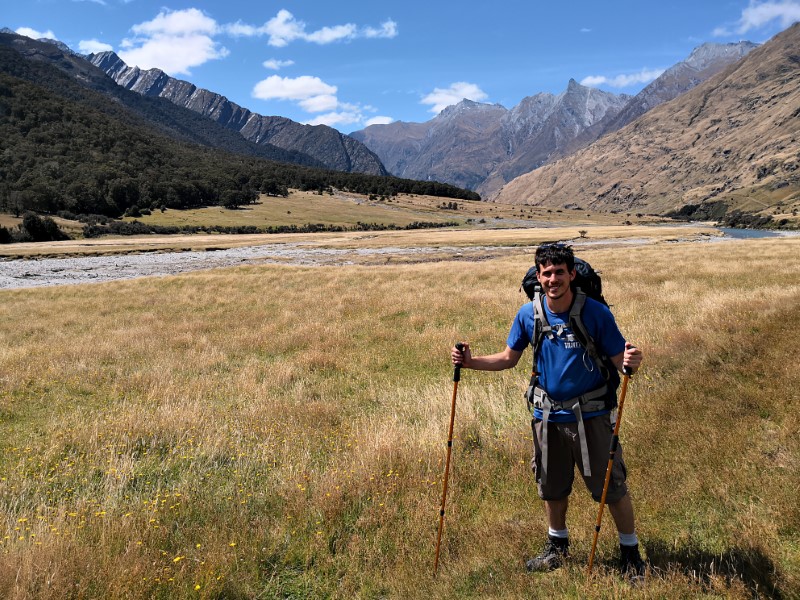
x=555 y=281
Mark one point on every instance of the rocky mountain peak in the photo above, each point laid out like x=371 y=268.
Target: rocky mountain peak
x=703 y=56
x=467 y=106
x=108 y=62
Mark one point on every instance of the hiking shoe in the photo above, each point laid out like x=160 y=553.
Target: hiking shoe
x=631 y=564
x=551 y=557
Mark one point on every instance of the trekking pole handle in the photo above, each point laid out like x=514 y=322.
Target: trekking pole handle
x=627 y=370
x=457 y=368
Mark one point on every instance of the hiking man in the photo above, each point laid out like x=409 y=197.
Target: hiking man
x=572 y=403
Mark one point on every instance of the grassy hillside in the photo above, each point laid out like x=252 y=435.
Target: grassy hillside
x=728 y=145
x=280 y=431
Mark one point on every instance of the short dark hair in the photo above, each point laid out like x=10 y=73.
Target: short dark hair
x=555 y=253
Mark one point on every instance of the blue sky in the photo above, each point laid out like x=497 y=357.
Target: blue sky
x=349 y=64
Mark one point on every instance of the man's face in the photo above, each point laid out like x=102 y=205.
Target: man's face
x=555 y=279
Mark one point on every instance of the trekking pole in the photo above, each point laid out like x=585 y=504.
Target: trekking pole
x=456 y=378
x=612 y=450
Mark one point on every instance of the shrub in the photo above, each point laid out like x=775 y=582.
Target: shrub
x=41 y=229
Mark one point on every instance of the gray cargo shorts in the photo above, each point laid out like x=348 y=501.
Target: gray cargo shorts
x=564 y=454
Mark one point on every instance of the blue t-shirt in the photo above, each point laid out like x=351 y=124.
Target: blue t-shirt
x=565 y=368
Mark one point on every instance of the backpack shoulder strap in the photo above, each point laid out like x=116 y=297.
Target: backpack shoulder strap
x=582 y=335
x=541 y=328
x=541 y=325
x=576 y=322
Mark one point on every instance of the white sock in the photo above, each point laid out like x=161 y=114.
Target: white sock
x=628 y=539
x=558 y=533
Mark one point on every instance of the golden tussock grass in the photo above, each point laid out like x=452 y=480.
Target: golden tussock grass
x=280 y=432
x=465 y=238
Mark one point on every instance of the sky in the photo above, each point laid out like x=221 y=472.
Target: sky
x=353 y=63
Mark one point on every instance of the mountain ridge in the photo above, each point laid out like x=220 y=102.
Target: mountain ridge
x=169 y=119
x=731 y=141
x=330 y=147
x=470 y=142
x=703 y=62
x=539 y=129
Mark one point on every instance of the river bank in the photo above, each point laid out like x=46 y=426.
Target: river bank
x=70 y=270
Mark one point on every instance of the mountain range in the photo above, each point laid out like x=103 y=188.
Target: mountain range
x=714 y=133
x=730 y=143
x=483 y=146
x=324 y=144
x=74 y=141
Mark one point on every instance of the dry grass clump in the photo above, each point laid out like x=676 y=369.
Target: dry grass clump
x=280 y=432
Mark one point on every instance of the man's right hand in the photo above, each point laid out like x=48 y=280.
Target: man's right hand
x=459 y=357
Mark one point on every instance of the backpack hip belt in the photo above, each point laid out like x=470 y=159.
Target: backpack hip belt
x=593 y=401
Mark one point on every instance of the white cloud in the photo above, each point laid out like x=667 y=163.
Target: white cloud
x=93 y=46
x=624 y=80
x=174 y=41
x=585 y=30
x=240 y=29
x=441 y=98
x=379 y=121
x=284 y=28
x=315 y=96
x=758 y=14
x=304 y=87
x=333 y=119
x=387 y=29
x=327 y=35
x=275 y=64
x=33 y=34
x=190 y=21
x=321 y=103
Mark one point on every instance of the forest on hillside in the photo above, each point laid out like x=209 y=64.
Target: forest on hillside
x=64 y=147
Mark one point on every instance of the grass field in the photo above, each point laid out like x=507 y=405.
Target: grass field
x=466 y=238
x=346 y=209
x=279 y=432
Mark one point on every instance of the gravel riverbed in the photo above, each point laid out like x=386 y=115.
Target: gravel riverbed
x=25 y=273
x=39 y=272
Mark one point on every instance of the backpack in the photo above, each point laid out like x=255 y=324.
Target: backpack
x=587 y=284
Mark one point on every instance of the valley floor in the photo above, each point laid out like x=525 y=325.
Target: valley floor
x=109 y=260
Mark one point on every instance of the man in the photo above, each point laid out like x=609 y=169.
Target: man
x=564 y=433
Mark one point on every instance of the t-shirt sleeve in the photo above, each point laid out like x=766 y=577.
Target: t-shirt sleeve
x=609 y=337
x=519 y=337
